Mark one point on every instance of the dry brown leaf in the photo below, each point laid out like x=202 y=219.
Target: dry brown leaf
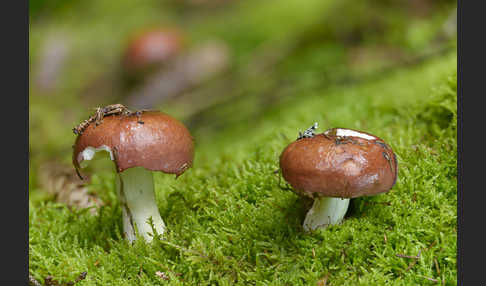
x=62 y=181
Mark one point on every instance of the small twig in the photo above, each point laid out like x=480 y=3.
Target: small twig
x=430 y=279
x=436 y=266
x=416 y=258
x=384 y=236
x=408 y=256
x=309 y=133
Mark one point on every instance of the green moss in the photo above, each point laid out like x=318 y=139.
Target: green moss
x=230 y=223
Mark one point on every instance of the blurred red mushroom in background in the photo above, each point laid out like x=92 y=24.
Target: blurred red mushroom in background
x=187 y=71
x=149 y=50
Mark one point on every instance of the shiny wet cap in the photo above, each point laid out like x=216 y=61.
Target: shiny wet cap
x=153 y=140
x=340 y=162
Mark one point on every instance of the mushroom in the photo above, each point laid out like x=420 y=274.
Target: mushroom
x=152 y=48
x=335 y=166
x=138 y=143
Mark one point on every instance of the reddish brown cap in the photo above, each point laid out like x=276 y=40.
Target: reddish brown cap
x=155 y=141
x=340 y=162
x=152 y=47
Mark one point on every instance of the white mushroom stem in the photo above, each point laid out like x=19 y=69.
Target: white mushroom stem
x=324 y=212
x=135 y=187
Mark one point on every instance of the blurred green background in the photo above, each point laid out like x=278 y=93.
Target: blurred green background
x=246 y=73
x=267 y=50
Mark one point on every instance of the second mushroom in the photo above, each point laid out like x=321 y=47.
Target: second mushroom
x=138 y=142
x=335 y=166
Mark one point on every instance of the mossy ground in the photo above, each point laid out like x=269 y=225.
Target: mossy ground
x=231 y=219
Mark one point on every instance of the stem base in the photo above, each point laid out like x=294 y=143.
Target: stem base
x=324 y=212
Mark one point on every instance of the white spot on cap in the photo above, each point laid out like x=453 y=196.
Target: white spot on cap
x=352 y=133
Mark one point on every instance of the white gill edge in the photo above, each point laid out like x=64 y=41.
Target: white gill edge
x=89 y=152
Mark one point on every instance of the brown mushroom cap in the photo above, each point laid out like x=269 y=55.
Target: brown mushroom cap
x=160 y=143
x=152 y=47
x=340 y=162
